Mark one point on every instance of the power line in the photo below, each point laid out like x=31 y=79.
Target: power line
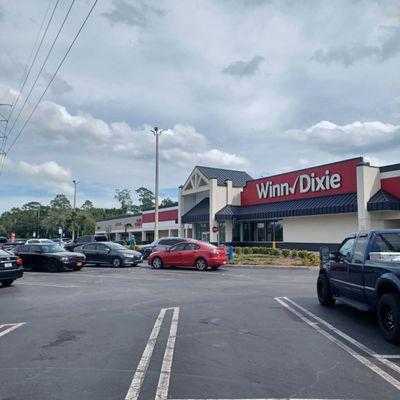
x=51 y=80
x=42 y=67
x=25 y=75
x=34 y=59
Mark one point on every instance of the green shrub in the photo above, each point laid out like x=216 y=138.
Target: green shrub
x=285 y=252
x=303 y=254
x=310 y=259
x=246 y=250
x=274 y=252
x=294 y=253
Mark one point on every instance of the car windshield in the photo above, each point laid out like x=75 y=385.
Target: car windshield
x=116 y=246
x=52 y=249
x=386 y=243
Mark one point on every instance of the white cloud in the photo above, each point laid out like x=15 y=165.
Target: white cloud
x=350 y=138
x=180 y=146
x=49 y=174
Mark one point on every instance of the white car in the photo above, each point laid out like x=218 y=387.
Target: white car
x=44 y=241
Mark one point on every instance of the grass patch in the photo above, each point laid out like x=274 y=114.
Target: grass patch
x=267 y=259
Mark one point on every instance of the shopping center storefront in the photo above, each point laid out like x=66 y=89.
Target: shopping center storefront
x=142 y=225
x=301 y=209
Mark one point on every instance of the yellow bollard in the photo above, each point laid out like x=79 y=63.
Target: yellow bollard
x=274 y=245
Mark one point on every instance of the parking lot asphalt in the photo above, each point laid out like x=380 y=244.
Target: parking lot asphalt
x=235 y=333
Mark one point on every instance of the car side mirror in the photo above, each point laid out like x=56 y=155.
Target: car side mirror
x=333 y=255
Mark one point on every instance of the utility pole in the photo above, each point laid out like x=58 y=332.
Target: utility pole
x=74 y=207
x=157 y=133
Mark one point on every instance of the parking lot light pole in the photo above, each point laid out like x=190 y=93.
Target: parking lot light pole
x=157 y=133
x=74 y=207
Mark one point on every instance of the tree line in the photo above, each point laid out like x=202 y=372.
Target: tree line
x=34 y=218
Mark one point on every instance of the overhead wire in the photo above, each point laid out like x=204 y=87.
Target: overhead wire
x=41 y=68
x=52 y=78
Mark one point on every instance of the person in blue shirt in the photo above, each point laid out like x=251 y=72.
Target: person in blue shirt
x=132 y=242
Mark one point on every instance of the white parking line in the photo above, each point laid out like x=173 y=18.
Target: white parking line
x=265 y=398
x=369 y=364
x=47 y=285
x=11 y=328
x=163 y=382
x=351 y=340
x=138 y=378
x=389 y=356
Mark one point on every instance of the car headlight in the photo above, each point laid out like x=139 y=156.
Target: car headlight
x=129 y=255
x=64 y=259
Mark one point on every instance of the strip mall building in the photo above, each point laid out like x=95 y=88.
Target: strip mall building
x=302 y=209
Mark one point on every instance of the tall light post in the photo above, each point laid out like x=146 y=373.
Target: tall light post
x=157 y=133
x=74 y=207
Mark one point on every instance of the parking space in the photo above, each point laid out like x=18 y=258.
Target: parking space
x=138 y=333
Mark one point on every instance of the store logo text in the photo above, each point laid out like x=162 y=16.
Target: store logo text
x=303 y=184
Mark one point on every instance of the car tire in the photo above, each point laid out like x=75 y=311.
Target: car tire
x=116 y=262
x=157 y=263
x=324 y=292
x=7 y=282
x=201 y=264
x=53 y=266
x=389 y=317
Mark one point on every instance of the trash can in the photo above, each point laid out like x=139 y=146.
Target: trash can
x=230 y=253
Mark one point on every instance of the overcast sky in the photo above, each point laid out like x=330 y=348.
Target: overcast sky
x=258 y=85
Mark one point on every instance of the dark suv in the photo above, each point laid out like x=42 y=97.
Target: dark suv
x=76 y=244
x=160 y=244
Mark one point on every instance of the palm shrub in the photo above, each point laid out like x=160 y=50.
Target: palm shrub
x=285 y=252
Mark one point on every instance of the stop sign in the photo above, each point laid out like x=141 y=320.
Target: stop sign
x=215 y=229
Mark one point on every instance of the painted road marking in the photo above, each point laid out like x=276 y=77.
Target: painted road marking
x=47 y=285
x=389 y=356
x=9 y=328
x=138 y=378
x=351 y=340
x=163 y=382
x=269 y=398
x=315 y=325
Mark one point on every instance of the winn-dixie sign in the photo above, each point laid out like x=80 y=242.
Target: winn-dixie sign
x=324 y=180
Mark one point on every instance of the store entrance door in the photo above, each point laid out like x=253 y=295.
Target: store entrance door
x=205 y=236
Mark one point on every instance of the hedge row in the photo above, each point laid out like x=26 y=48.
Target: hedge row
x=308 y=257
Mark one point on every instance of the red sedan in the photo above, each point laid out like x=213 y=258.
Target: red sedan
x=191 y=253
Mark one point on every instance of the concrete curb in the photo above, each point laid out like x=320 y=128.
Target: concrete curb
x=296 y=267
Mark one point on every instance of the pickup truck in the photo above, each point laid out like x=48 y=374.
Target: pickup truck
x=364 y=273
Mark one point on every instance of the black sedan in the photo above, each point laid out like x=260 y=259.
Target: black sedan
x=49 y=257
x=10 y=268
x=110 y=253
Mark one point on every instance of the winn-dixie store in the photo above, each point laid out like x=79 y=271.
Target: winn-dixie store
x=302 y=209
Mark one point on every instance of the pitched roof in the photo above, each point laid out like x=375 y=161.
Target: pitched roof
x=199 y=213
x=341 y=203
x=238 y=178
x=382 y=200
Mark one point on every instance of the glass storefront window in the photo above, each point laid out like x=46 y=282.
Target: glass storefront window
x=260 y=232
x=202 y=231
x=236 y=232
x=279 y=231
x=221 y=232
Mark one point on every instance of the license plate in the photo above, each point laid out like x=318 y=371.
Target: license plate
x=8 y=265
x=79 y=264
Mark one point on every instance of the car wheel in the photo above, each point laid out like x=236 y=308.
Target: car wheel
x=157 y=263
x=53 y=266
x=116 y=262
x=7 y=282
x=201 y=264
x=324 y=292
x=389 y=317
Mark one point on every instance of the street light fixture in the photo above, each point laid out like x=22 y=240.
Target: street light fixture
x=157 y=133
x=74 y=207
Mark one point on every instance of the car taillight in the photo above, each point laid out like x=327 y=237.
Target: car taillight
x=19 y=261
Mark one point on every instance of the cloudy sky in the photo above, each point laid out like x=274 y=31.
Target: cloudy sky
x=261 y=85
